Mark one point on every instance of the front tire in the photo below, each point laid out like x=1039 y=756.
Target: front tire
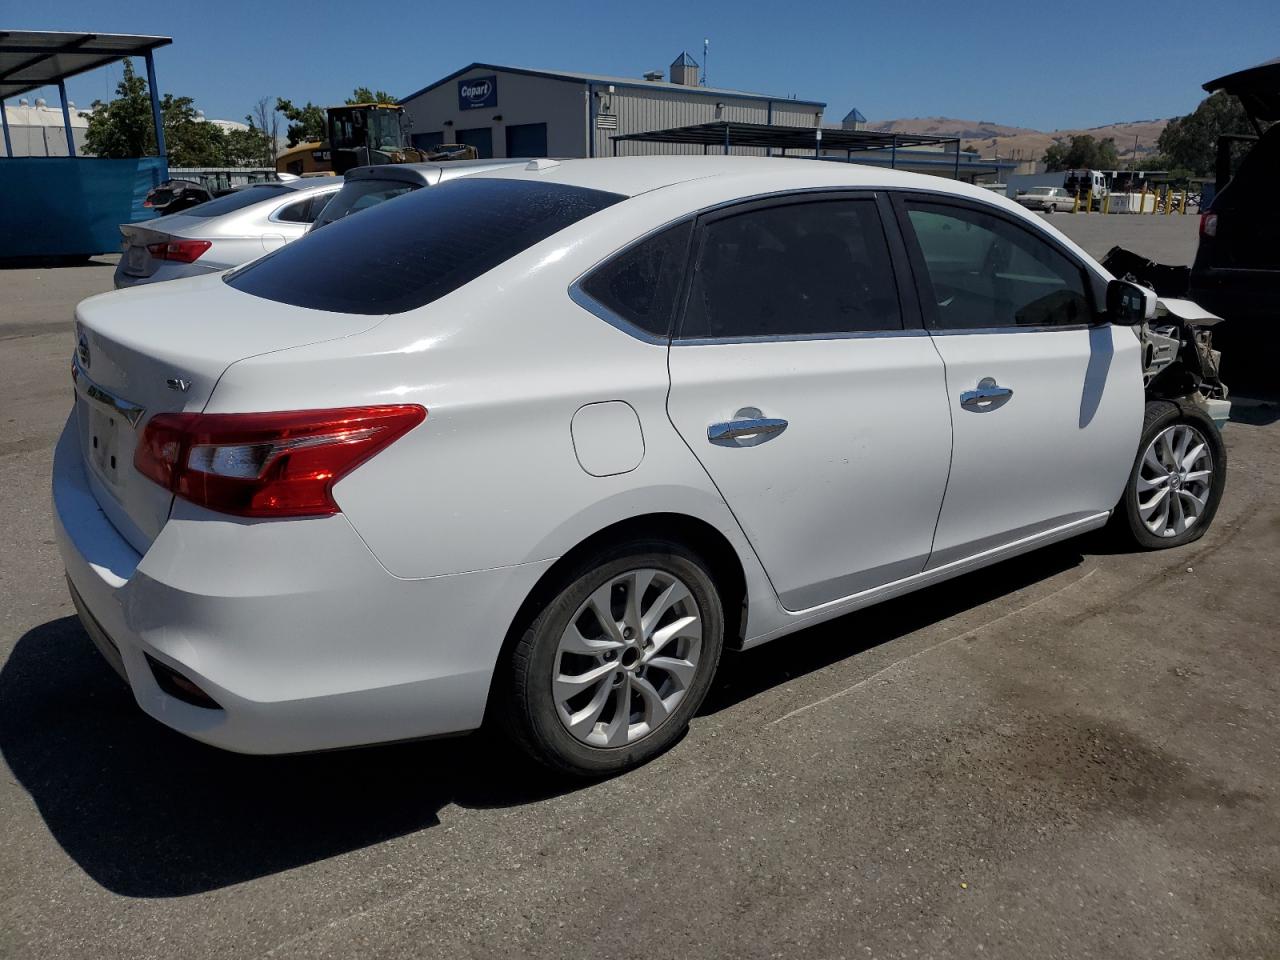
x=1177 y=479
x=616 y=661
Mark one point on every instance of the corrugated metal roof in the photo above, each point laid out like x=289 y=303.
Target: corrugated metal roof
x=601 y=78
x=30 y=59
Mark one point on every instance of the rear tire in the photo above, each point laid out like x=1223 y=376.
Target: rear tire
x=1177 y=480
x=637 y=627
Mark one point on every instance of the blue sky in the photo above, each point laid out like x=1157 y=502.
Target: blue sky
x=1008 y=63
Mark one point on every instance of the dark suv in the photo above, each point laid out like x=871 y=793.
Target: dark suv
x=1236 y=273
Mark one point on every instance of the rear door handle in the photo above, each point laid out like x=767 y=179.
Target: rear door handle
x=747 y=429
x=987 y=390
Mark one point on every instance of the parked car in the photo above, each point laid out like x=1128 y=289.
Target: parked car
x=174 y=195
x=365 y=187
x=1236 y=272
x=1047 y=199
x=221 y=233
x=539 y=443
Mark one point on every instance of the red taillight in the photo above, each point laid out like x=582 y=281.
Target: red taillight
x=183 y=251
x=1208 y=224
x=267 y=464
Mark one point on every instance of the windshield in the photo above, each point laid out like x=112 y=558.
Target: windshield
x=237 y=201
x=357 y=195
x=349 y=128
x=405 y=254
x=384 y=130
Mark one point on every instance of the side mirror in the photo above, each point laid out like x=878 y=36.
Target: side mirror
x=1128 y=303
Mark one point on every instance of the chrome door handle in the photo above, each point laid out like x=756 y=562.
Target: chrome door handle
x=747 y=429
x=986 y=391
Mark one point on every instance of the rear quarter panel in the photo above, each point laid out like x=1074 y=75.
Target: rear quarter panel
x=502 y=365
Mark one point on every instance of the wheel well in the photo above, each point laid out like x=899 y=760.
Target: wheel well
x=698 y=535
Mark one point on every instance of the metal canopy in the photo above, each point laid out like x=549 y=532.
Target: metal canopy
x=722 y=133
x=31 y=59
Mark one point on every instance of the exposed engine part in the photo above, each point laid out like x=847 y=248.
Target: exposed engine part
x=1164 y=279
x=1177 y=353
x=1160 y=346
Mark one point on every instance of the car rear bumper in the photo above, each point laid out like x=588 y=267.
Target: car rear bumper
x=303 y=640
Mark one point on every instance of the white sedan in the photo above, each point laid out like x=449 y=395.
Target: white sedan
x=221 y=233
x=538 y=444
x=1047 y=199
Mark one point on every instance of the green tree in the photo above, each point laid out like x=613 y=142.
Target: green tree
x=190 y=140
x=249 y=148
x=365 y=95
x=1083 y=152
x=1191 y=142
x=306 y=124
x=123 y=127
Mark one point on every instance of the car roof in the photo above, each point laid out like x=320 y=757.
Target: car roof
x=632 y=176
x=427 y=172
x=311 y=185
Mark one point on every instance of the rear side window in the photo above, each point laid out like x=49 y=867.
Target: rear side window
x=357 y=195
x=641 y=283
x=805 y=269
x=295 y=212
x=237 y=201
x=398 y=256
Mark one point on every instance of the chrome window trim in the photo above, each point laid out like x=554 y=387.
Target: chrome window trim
x=804 y=337
x=1030 y=328
x=600 y=311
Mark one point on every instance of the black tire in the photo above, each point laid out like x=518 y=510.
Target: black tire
x=524 y=704
x=1127 y=521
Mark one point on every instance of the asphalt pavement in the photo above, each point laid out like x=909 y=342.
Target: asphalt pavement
x=1074 y=754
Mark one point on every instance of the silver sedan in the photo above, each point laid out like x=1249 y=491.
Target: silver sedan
x=221 y=233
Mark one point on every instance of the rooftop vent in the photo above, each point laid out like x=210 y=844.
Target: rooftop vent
x=853 y=120
x=653 y=76
x=684 y=70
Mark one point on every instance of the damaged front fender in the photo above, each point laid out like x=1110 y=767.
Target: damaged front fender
x=1179 y=362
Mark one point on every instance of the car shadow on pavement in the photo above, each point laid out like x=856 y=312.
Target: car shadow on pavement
x=745 y=674
x=147 y=812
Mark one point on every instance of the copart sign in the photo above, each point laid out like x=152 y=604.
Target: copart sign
x=477 y=93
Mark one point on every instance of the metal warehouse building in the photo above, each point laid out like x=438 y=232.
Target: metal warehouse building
x=516 y=112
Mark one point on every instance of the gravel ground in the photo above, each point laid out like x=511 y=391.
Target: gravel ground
x=1073 y=754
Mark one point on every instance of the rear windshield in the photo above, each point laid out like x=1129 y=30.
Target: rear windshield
x=357 y=195
x=401 y=255
x=236 y=201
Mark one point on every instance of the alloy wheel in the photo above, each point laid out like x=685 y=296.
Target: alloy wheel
x=627 y=658
x=1174 y=480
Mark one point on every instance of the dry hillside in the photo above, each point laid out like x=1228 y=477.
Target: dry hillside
x=1022 y=143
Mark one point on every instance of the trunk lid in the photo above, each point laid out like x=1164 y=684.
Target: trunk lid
x=1257 y=87
x=161 y=349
